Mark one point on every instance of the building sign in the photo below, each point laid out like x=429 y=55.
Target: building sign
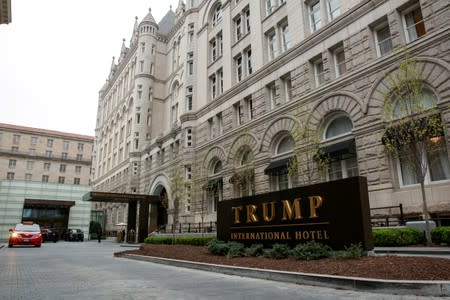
x=335 y=213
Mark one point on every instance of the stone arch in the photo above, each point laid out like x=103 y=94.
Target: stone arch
x=282 y=124
x=214 y=154
x=336 y=102
x=175 y=80
x=246 y=139
x=435 y=74
x=158 y=182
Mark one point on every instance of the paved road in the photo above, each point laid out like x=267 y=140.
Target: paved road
x=88 y=270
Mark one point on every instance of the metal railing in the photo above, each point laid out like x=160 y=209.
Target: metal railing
x=199 y=227
x=388 y=219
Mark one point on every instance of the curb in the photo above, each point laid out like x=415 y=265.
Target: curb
x=413 y=252
x=397 y=287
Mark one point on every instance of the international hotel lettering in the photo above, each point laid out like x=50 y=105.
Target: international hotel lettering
x=334 y=213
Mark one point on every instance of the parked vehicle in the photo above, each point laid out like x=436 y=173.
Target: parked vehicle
x=25 y=234
x=74 y=234
x=49 y=235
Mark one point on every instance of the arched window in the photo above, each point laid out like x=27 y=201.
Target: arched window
x=342 y=160
x=285 y=145
x=338 y=126
x=217 y=167
x=246 y=157
x=404 y=107
x=217 y=15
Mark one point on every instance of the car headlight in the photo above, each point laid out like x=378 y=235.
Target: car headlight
x=14 y=235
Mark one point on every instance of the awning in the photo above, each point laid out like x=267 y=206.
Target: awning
x=345 y=147
x=48 y=203
x=277 y=165
x=119 y=197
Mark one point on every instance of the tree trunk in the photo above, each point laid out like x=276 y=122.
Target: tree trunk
x=426 y=215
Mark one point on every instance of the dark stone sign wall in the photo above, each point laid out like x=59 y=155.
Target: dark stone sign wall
x=335 y=213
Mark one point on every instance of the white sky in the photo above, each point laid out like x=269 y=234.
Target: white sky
x=56 y=54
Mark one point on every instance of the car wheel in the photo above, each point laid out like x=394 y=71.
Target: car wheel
x=38 y=245
x=10 y=245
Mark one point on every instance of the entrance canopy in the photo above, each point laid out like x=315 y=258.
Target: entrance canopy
x=119 y=197
x=48 y=203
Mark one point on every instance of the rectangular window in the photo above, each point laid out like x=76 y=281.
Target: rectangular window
x=314 y=14
x=32 y=151
x=187 y=172
x=14 y=149
x=383 y=40
x=272 y=45
x=139 y=91
x=247 y=19
x=61 y=179
x=141 y=66
x=220 y=81
x=46 y=166
x=62 y=168
x=64 y=155
x=249 y=61
x=287 y=82
x=269 y=7
x=142 y=47
x=285 y=37
x=138 y=118
x=76 y=181
x=250 y=109
x=28 y=177
x=238 y=63
x=190 y=67
x=189 y=98
x=33 y=140
x=213 y=47
x=16 y=139
x=238 y=28
x=272 y=91
x=78 y=169
x=45 y=178
x=414 y=25
x=238 y=114
x=12 y=163
x=30 y=165
x=333 y=9
x=66 y=145
x=49 y=143
x=319 y=75
x=48 y=153
x=189 y=137
x=339 y=61
x=80 y=146
x=219 y=123
x=10 y=176
x=79 y=157
x=213 y=84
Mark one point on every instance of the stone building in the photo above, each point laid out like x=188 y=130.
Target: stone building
x=212 y=94
x=43 y=176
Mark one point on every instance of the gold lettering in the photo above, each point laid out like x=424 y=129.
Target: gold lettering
x=290 y=211
x=314 y=203
x=237 y=210
x=251 y=216
x=298 y=235
x=319 y=234
x=276 y=235
x=325 y=235
x=252 y=236
x=305 y=235
x=272 y=211
x=313 y=234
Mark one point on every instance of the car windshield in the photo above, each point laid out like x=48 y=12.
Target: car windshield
x=29 y=228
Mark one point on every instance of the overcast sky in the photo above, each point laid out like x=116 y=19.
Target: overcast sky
x=56 y=54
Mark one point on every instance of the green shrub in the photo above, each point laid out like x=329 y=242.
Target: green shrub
x=278 y=251
x=217 y=247
x=397 y=236
x=310 y=250
x=235 y=249
x=441 y=235
x=351 y=252
x=254 y=250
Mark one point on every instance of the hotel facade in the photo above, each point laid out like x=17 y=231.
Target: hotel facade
x=203 y=106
